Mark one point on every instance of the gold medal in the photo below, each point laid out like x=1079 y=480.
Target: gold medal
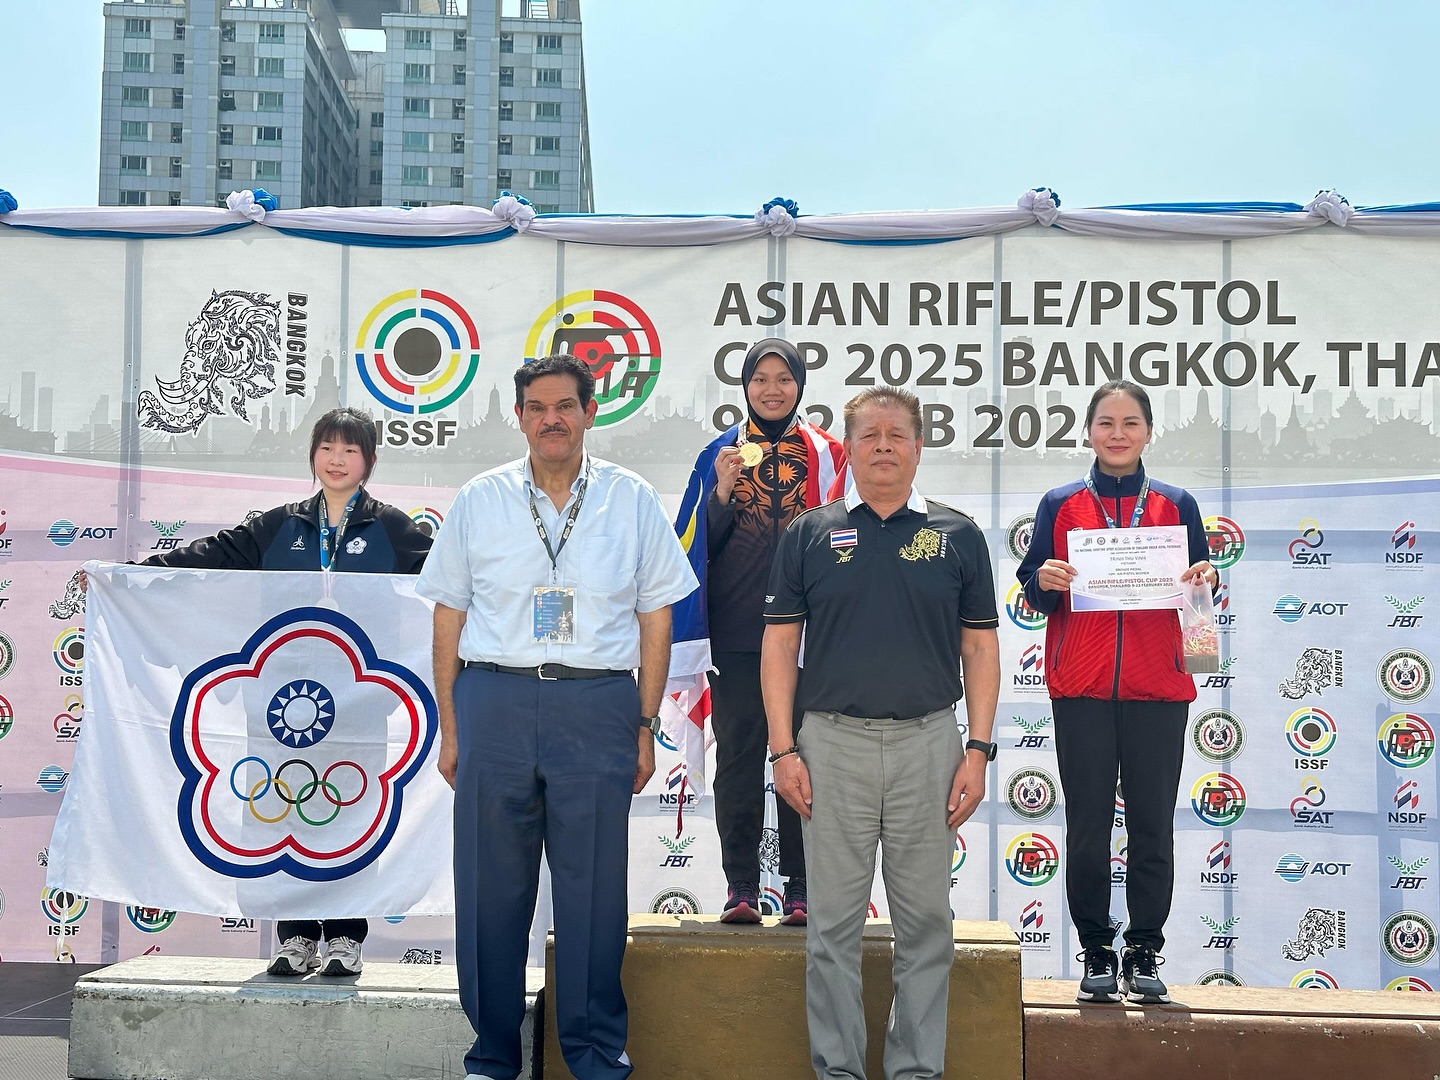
x=751 y=455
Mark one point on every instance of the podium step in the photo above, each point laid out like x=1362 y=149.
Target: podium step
x=207 y=1018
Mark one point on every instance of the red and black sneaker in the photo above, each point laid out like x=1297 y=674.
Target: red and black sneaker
x=796 y=905
x=743 y=906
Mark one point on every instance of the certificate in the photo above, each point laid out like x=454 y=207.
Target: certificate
x=1128 y=569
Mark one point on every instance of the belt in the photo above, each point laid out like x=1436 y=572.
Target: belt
x=550 y=672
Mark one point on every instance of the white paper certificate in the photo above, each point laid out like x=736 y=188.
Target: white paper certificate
x=1127 y=569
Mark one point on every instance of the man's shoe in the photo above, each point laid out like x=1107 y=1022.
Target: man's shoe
x=297 y=956
x=342 y=957
x=743 y=906
x=1140 y=976
x=796 y=906
x=1099 y=983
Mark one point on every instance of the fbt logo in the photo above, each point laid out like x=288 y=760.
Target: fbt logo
x=1030 y=673
x=1407 y=813
x=675 y=783
x=67 y=723
x=1291 y=608
x=1032 y=739
x=1222 y=679
x=1032 y=918
x=1410 y=878
x=3 y=598
x=1403 y=550
x=1217 y=875
x=1405 y=617
x=1305 y=812
x=1308 y=549
x=676 y=847
x=1220 y=935
x=167 y=540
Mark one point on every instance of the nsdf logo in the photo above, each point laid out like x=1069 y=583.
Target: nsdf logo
x=311 y=806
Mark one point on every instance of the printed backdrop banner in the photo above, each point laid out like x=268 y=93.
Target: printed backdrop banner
x=153 y=390
x=274 y=760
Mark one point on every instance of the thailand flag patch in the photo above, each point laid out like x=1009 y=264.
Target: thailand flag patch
x=844 y=538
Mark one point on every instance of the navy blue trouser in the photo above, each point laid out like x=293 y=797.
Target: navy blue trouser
x=1143 y=744
x=544 y=765
x=315 y=929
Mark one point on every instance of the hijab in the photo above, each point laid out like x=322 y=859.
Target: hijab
x=771 y=346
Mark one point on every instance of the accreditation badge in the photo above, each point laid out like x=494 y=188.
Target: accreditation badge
x=554 y=615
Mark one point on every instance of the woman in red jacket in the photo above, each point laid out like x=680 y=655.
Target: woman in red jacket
x=1120 y=698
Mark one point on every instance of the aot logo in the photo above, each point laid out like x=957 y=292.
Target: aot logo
x=1316 y=670
x=64 y=910
x=1020 y=611
x=1291 y=868
x=304 y=674
x=1217 y=735
x=67 y=722
x=1410 y=982
x=1220 y=935
x=1406 y=675
x=1408 y=937
x=675 y=902
x=1314 y=979
x=63 y=533
x=1291 y=608
x=69 y=654
x=1032 y=859
x=1403 y=551
x=1227 y=542
x=52 y=779
x=1410 y=877
x=428 y=519
x=1406 y=741
x=149 y=920
x=1032 y=739
x=1032 y=918
x=1222 y=679
x=1305 y=812
x=417 y=352
x=1218 y=799
x=1030 y=676
x=1407 y=815
x=1311 y=733
x=1308 y=549
x=1217 y=876
x=1018 y=535
x=1031 y=793
x=612 y=336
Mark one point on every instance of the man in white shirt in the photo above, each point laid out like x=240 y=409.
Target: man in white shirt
x=552 y=578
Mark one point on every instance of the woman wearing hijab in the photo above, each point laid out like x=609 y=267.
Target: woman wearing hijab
x=747 y=486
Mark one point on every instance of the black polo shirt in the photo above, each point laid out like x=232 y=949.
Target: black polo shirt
x=883 y=604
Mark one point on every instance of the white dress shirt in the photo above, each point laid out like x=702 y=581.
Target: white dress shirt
x=622 y=557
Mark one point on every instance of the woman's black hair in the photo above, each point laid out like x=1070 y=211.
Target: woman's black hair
x=1120 y=386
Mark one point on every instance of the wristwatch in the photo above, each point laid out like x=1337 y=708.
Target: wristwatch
x=988 y=748
x=651 y=722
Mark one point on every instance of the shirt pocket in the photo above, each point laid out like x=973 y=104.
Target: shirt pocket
x=605 y=564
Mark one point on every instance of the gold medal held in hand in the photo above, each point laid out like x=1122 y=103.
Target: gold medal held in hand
x=750 y=455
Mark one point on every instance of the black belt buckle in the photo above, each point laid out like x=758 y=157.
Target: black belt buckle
x=540 y=673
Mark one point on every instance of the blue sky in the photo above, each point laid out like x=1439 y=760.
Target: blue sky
x=717 y=105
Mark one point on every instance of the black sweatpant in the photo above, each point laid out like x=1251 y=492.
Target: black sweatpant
x=1143 y=744
x=741 y=742
x=315 y=929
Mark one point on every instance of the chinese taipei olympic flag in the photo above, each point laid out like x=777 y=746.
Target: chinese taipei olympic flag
x=257 y=744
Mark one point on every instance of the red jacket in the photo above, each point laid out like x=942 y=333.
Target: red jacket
x=1116 y=656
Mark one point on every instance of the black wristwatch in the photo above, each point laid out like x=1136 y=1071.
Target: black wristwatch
x=990 y=749
x=651 y=722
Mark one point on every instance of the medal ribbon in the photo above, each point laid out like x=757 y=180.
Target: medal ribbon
x=1139 y=503
x=326 y=558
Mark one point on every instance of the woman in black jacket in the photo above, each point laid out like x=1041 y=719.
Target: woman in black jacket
x=340 y=528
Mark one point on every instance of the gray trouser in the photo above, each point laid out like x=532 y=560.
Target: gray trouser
x=879 y=782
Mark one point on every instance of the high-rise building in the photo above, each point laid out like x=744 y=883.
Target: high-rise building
x=204 y=97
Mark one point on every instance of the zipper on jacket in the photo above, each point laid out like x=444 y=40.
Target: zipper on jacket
x=1119 y=615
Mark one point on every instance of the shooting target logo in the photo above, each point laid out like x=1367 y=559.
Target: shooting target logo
x=613 y=337
x=417 y=351
x=428 y=518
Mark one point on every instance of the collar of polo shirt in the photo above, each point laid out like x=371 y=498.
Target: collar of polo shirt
x=529 y=475
x=916 y=501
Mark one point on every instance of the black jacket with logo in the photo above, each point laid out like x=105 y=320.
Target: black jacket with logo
x=379 y=539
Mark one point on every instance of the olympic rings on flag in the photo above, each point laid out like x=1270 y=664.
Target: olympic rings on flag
x=298 y=797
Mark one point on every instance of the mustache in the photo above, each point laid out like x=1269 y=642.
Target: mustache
x=555 y=429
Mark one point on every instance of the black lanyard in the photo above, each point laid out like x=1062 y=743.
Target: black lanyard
x=554 y=552
x=326 y=557
x=1139 y=503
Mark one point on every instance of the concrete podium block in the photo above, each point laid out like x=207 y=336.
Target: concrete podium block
x=206 y=1018
x=710 y=999
x=1235 y=1032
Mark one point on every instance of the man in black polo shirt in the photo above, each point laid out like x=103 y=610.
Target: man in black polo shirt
x=895 y=598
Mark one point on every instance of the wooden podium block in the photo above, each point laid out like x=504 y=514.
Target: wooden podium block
x=712 y=1000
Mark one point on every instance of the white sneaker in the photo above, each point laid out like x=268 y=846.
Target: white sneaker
x=342 y=957
x=297 y=956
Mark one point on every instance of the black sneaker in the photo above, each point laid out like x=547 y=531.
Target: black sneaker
x=796 y=905
x=1140 y=977
x=743 y=905
x=1099 y=983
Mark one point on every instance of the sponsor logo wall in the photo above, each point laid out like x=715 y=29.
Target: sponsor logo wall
x=1305 y=422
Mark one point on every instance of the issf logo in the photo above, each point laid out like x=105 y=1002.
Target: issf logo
x=613 y=337
x=69 y=654
x=64 y=910
x=1311 y=734
x=1410 y=983
x=428 y=518
x=1315 y=979
x=1218 y=799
